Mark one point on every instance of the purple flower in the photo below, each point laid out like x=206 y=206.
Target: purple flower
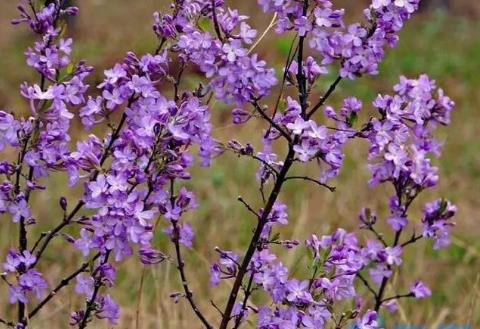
x=150 y=256
x=297 y=291
x=379 y=272
x=108 y=309
x=17 y=294
x=420 y=290
x=393 y=255
x=368 y=321
x=84 y=285
x=436 y=222
x=8 y=130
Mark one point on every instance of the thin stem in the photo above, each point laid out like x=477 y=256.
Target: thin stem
x=324 y=98
x=379 y=296
x=377 y=234
x=61 y=285
x=409 y=295
x=249 y=208
x=270 y=121
x=309 y=179
x=215 y=21
x=92 y=301
x=40 y=238
x=7 y=323
x=288 y=63
x=181 y=266
x=256 y=237
x=302 y=81
x=248 y=293
x=253 y=156
x=56 y=230
x=216 y=307
x=367 y=285
x=160 y=46
x=413 y=239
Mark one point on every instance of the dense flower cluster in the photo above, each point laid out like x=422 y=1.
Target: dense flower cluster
x=235 y=75
x=130 y=176
x=401 y=142
x=127 y=175
x=359 y=48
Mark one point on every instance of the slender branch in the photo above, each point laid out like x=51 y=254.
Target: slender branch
x=253 y=156
x=61 y=285
x=40 y=238
x=248 y=293
x=181 y=266
x=256 y=237
x=377 y=234
x=92 y=301
x=48 y=238
x=379 y=296
x=409 y=295
x=302 y=81
x=248 y=207
x=216 y=307
x=367 y=285
x=7 y=323
x=160 y=46
x=324 y=98
x=215 y=21
x=413 y=239
x=331 y=188
x=270 y=121
x=266 y=164
x=288 y=63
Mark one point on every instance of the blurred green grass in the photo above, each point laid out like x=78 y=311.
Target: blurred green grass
x=446 y=47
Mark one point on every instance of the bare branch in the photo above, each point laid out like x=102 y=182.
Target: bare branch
x=331 y=188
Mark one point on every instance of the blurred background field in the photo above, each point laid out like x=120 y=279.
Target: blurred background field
x=443 y=43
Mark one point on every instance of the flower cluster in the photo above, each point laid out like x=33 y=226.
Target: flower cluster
x=149 y=149
x=401 y=141
x=127 y=175
x=29 y=280
x=359 y=48
x=235 y=75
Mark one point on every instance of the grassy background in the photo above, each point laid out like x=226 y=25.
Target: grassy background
x=444 y=45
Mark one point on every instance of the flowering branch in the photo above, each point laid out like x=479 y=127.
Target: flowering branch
x=63 y=283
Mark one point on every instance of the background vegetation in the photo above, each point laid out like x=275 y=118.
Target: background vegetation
x=444 y=44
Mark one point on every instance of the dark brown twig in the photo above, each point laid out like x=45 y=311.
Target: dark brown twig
x=181 y=266
x=324 y=98
x=309 y=179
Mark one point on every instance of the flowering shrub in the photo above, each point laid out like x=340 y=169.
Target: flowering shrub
x=135 y=173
